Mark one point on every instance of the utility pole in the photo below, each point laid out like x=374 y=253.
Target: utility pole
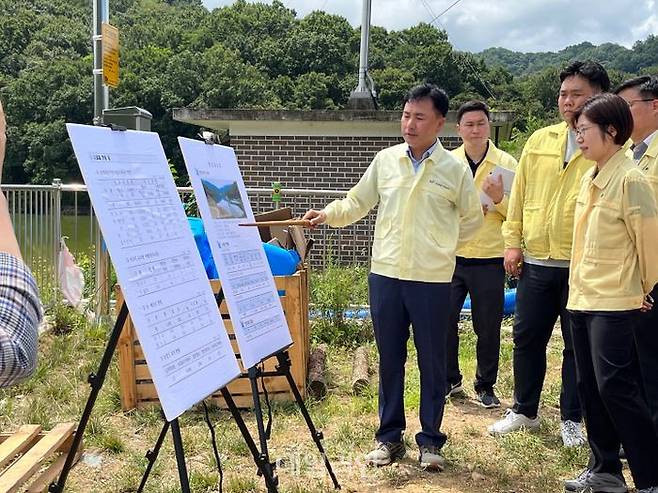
x=363 y=97
x=101 y=102
x=101 y=92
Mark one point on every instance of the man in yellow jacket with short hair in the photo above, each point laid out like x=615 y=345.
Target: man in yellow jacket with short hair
x=479 y=270
x=641 y=94
x=538 y=236
x=427 y=207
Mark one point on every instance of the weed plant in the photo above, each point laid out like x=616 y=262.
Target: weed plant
x=335 y=291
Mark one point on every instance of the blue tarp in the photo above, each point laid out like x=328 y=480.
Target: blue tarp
x=508 y=307
x=282 y=262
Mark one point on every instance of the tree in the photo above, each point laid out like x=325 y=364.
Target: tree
x=320 y=42
x=175 y=53
x=392 y=85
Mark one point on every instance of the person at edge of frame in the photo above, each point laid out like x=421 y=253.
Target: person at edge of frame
x=641 y=94
x=20 y=307
x=538 y=234
x=614 y=267
x=427 y=207
x=479 y=270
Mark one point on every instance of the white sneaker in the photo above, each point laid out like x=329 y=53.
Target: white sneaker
x=513 y=422
x=572 y=434
x=597 y=481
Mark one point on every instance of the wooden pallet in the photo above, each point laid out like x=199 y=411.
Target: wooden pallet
x=23 y=453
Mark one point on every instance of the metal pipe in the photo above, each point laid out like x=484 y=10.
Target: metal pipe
x=101 y=14
x=363 y=54
x=57 y=233
x=101 y=102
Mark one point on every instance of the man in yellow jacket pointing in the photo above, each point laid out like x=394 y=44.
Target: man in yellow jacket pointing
x=427 y=208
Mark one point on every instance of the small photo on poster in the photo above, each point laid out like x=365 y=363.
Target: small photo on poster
x=224 y=199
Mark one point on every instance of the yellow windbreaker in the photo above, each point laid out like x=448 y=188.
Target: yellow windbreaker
x=543 y=198
x=422 y=216
x=615 y=254
x=488 y=243
x=648 y=164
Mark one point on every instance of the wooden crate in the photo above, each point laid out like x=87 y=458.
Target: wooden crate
x=137 y=389
x=23 y=453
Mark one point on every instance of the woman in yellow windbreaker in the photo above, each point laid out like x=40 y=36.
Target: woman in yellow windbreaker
x=613 y=268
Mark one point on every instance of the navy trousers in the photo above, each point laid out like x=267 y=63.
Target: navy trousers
x=394 y=305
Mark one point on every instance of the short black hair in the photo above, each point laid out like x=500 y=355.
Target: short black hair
x=590 y=70
x=608 y=110
x=647 y=85
x=430 y=91
x=473 y=105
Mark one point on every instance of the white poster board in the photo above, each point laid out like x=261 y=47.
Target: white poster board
x=253 y=301
x=157 y=263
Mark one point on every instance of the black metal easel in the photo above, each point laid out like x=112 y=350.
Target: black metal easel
x=96 y=381
x=283 y=369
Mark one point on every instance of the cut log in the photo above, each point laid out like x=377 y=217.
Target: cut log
x=360 y=371
x=316 y=366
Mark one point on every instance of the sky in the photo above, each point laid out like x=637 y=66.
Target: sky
x=519 y=25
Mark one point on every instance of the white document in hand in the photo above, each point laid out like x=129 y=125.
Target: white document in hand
x=508 y=179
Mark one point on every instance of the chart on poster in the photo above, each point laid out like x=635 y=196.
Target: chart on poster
x=258 y=320
x=161 y=274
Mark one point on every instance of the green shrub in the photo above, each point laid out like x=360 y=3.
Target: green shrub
x=64 y=319
x=333 y=291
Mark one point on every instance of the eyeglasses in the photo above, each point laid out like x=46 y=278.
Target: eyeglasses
x=580 y=131
x=633 y=101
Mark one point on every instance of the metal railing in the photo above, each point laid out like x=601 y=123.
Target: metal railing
x=42 y=214
x=36 y=215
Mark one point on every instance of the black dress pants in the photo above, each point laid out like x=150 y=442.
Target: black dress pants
x=486 y=285
x=541 y=296
x=394 y=305
x=614 y=408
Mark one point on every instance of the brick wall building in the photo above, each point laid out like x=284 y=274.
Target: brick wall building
x=318 y=151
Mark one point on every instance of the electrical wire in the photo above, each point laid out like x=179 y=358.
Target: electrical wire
x=213 y=440
x=465 y=59
x=268 y=428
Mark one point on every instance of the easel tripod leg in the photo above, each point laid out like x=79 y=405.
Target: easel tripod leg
x=180 y=457
x=96 y=381
x=152 y=455
x=270 y=482
x=258 y=411
x=284 y=366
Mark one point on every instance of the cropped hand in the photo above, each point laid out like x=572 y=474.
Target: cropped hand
x=493 y=187
x=513 y=261
x=647 y=303
x=316 y=217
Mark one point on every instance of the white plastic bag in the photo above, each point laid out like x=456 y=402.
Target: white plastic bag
x=71 y=279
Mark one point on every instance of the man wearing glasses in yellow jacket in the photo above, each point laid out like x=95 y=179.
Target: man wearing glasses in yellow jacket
x=479 y=270
x=427 y=207
x=641 y=94
x=538 y=237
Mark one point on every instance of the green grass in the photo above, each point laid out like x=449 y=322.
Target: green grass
x=523 y=462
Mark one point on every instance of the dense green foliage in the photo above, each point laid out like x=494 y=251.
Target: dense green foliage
x=176 y=53
x=642 y=57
